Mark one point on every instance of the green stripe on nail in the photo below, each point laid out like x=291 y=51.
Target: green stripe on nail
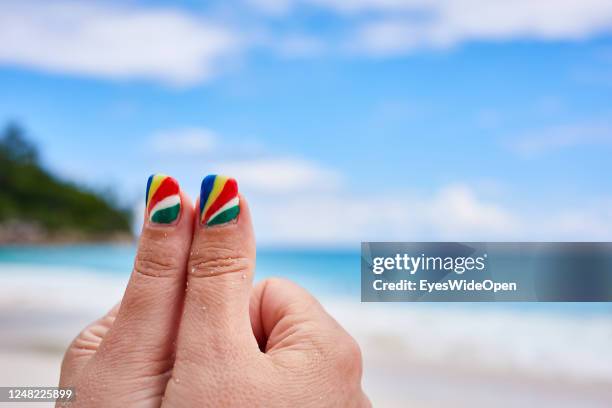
x=167 y=215
x=225 y=216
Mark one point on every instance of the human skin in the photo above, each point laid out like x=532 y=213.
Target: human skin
x=191 y=330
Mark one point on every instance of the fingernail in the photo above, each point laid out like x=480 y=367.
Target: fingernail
x=163 y=199
x=219 y=202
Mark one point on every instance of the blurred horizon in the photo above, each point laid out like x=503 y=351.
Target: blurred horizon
x=342 y=121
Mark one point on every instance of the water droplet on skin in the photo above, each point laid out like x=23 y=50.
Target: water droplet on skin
x=192 y=270
x=243 y=276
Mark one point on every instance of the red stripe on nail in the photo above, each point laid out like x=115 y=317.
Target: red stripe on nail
x=167 y=188
x=230 y=190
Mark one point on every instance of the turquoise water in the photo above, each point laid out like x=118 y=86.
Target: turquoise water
x=325 y=273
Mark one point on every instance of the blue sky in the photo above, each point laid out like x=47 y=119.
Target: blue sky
x=373 y=119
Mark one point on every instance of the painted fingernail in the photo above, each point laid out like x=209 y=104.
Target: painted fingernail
x=163 y=199
x=219 y=202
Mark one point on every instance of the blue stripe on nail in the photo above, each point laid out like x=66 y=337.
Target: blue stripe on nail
x=207 y=186
x=148 y=188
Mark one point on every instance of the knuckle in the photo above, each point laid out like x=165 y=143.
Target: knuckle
x=152 y=267
x=215 y=261
x=153 y=263
x=219 y=266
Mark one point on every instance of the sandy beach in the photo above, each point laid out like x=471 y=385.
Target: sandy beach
x=388 y=382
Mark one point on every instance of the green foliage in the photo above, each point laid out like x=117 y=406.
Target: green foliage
x=31 y=194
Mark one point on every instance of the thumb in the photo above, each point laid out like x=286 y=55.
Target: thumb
x=215 y=328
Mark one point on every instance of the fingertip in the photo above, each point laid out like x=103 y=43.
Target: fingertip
x=219 y=202
x=222 y=223
x=163 y=204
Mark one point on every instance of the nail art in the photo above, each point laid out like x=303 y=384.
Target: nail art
x=219 y=202
x=163 y=199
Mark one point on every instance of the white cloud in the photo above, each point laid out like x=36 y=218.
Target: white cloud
x=388 y=27
x=445 y=23
x=392 y=27
x=456 y=210
x=452 y=213
x=184 y=142
x=562 y=137
x=107 y=40
x=280 y=175
x=112 y=40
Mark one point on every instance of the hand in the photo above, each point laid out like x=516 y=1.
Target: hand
x=192 y=331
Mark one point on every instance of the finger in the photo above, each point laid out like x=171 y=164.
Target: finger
x=215 y=327
x=143 y=333
x=299 y=336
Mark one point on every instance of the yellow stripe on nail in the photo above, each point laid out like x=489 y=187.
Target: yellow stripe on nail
x=217 y=188
x=157 y=180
